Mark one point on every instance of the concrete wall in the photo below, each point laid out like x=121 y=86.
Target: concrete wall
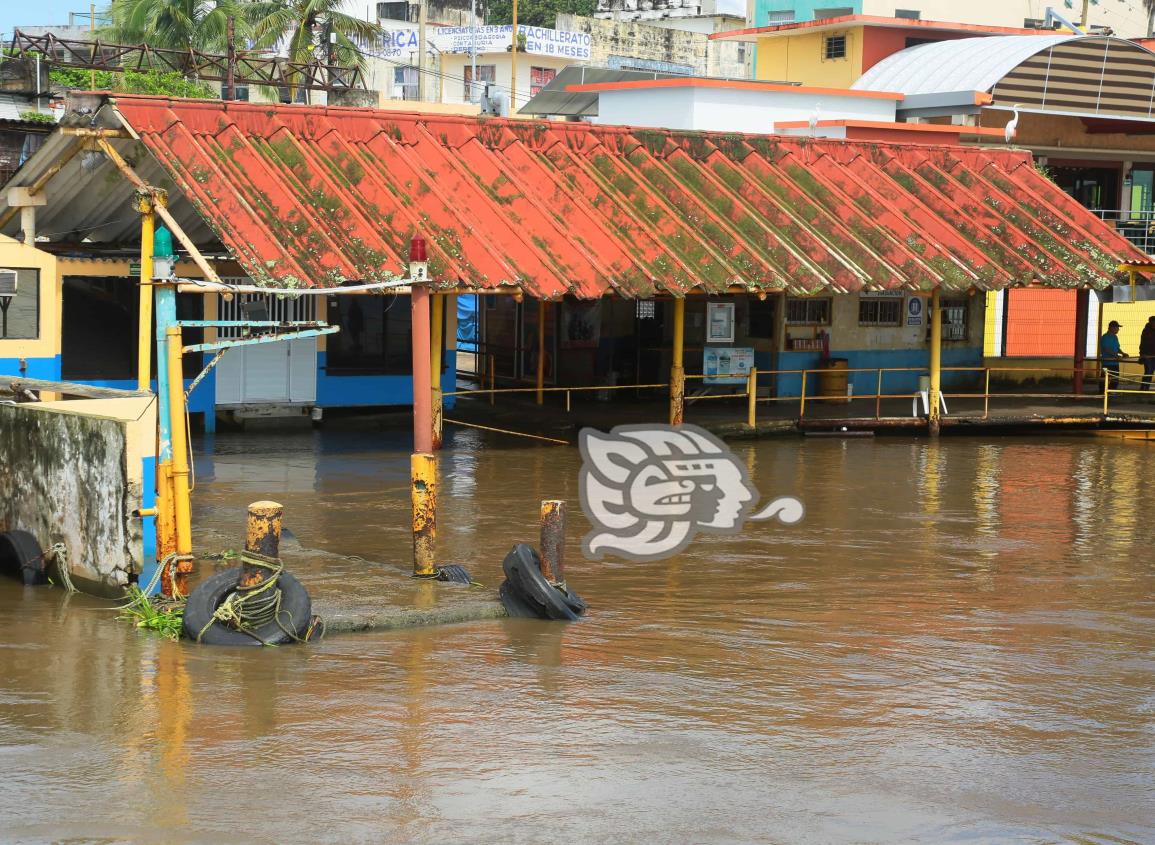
x=614 y=40
x=72 y=472
x=730 y=110
x=901 y=347
x=1128 y=20
x=453 y=66
x=801 y=58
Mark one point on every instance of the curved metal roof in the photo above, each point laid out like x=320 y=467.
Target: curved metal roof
x=964 y=64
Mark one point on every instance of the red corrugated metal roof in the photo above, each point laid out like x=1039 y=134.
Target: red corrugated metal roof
x=317 y=196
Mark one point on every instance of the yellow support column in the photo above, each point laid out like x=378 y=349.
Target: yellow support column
x=752 y=397
x=540 y=351
x=144 y=322
x=436 y=344
x=677 y=371
x=423 y=492
x=182 y=510
x=935 y=363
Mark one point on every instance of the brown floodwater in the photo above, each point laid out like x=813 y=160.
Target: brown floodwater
x=955 y=645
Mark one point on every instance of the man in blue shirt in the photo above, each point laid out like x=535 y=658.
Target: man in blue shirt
x=1110 y=353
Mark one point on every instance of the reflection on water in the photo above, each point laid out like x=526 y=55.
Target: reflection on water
x=954 y=646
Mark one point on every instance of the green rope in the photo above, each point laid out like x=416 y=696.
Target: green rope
x=249 y=608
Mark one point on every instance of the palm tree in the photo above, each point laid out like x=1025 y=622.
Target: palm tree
x=172 y=24
x=302 y=27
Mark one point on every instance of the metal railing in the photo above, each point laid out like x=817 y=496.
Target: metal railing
x=1136 y=226
x=807 y=396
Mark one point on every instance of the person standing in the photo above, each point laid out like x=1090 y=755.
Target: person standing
x=1147 y=352
x=1110 y=353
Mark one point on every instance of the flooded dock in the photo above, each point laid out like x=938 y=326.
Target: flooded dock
x=954 y=645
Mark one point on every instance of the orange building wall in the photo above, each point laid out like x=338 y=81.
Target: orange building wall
x=878 y=43
x=1040 y=322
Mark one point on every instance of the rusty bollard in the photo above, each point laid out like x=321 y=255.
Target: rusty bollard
x=553 y=540
x=423 y=495
x=263 y=538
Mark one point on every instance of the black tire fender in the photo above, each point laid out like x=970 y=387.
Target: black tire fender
x=515 y=605
x=522 y=568
x=21 y=555
x=292 y=619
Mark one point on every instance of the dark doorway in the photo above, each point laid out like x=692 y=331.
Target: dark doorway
x=1096 y=188
x=98 y=329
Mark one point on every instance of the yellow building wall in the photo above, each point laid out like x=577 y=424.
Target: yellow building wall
x=800 y=58
x=1132 y=316
x=16 y=254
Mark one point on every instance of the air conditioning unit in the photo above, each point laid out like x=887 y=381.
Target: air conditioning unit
x=8 y=281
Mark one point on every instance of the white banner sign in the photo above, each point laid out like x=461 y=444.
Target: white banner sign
x=539 y=41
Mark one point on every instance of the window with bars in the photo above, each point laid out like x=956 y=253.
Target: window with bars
x=880 y=311
x=405 y=83
x=954 y=319
x=644 y=310
x=834 y=47
x=539 y=77
x=485 y=73
x=261 y=307
x=808 y=312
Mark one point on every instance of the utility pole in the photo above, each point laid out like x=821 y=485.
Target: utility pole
x=421 y=51
x=473 y=53
x=92 y=29
x=1083 y=16
x=331 y=72
x=231 y=70
x=513 y=65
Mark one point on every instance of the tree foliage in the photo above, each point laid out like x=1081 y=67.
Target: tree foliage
x=303 y=28
x=174 y=24
x=540 y=12
x=131 y=82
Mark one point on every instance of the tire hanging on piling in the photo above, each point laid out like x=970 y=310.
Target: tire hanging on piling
x=527 y=594
x=21 y=555
x=290 y=624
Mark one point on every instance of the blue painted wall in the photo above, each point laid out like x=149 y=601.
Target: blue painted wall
x=362 y=391
x=865 y=384
x=43 y=368
x=803 y=9
x=148 y=524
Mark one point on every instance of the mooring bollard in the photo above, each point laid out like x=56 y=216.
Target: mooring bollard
x=553 y=540
x=423 y=493
x=263 y=538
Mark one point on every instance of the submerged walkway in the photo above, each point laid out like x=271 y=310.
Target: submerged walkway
x=727 y=417
x=351 y=593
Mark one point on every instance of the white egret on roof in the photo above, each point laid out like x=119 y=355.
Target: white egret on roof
x=1012 y=127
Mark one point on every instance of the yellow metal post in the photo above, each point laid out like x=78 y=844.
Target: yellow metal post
x=677 y=371
x=1106 y=389
x=751 y=396
x=540 y=351
x=987 y=394
x=935 y=363
x=436 y=345
x=802 y=396
x=144 y=324
x=423 y=468
x=182 y=512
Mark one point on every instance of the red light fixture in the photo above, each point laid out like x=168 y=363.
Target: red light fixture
x=417 y=249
